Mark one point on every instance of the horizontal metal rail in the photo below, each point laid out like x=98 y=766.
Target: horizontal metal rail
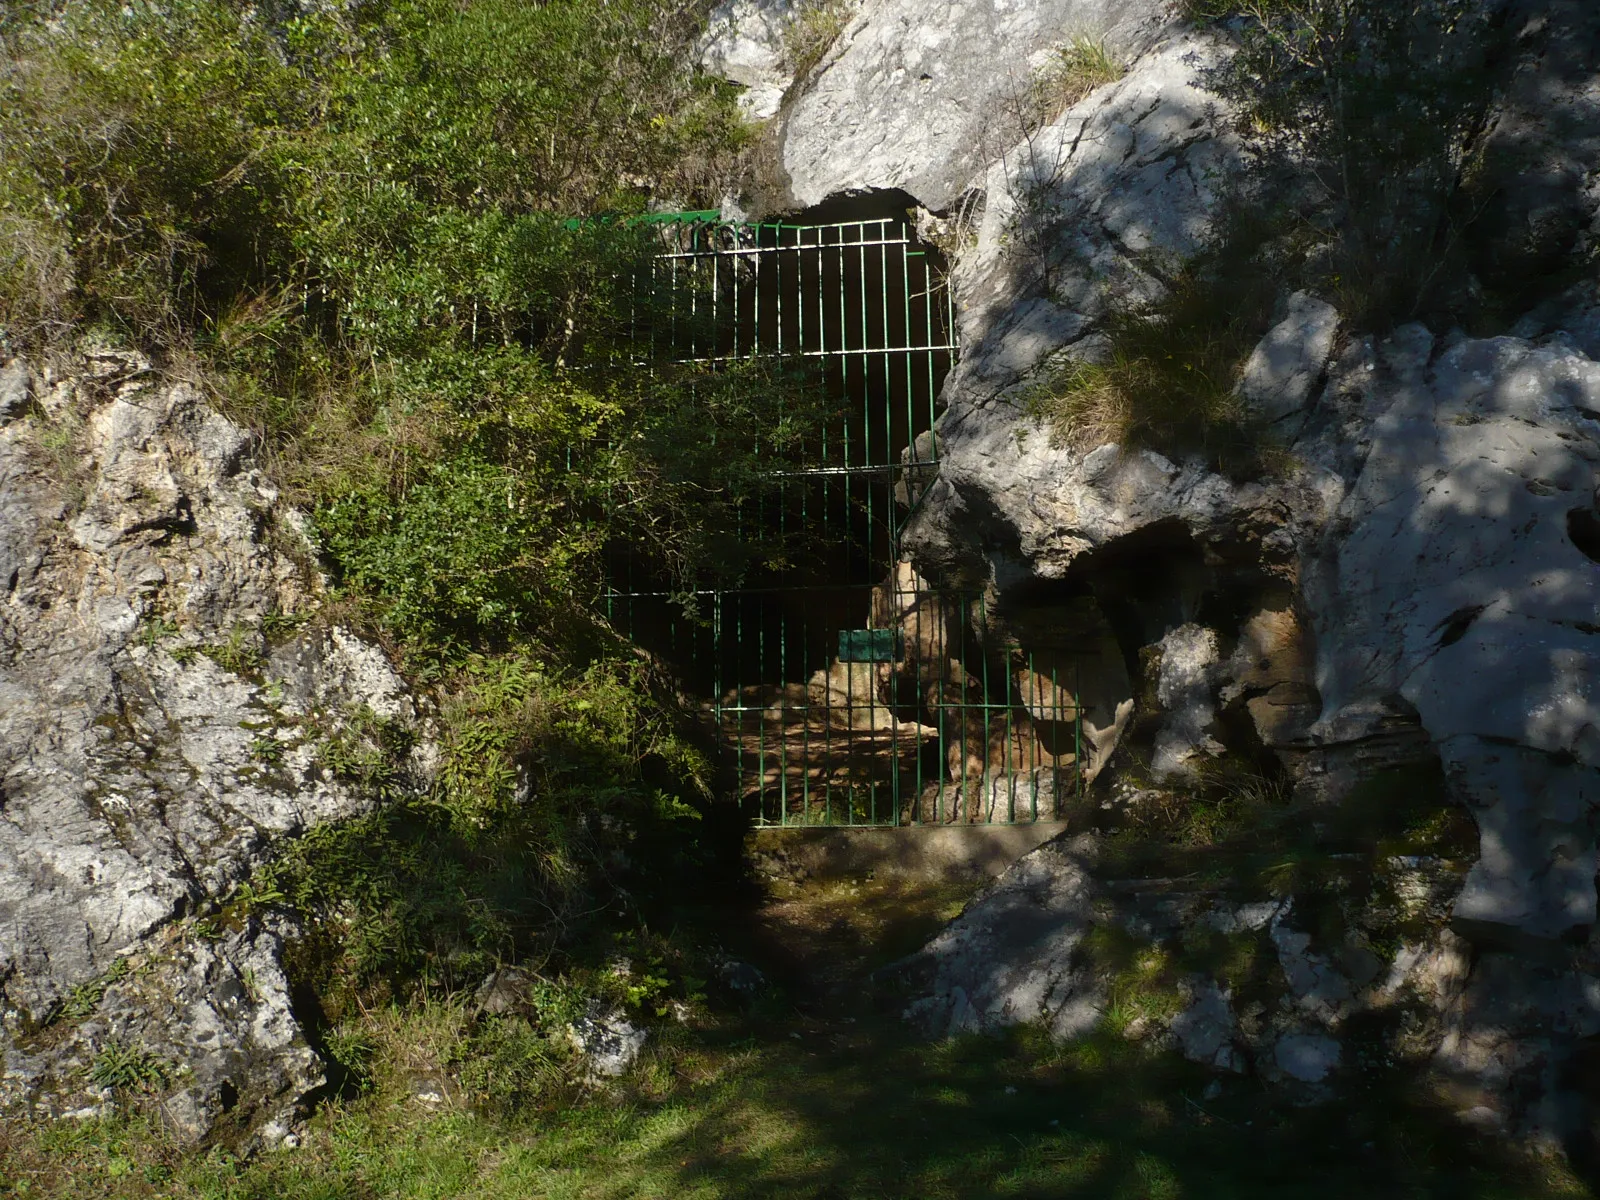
x=834 y=694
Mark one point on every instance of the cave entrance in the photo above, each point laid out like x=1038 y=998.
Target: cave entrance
x=841 y=689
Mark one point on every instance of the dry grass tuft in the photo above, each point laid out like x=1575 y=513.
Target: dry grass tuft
x=1081 y=66
x=811 y=31
x=1167 y=381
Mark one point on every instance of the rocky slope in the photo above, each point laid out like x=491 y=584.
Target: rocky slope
x=165 y=713
x=1407 y=611
x=1393 y=634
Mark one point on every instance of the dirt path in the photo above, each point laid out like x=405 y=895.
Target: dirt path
x=820 y=940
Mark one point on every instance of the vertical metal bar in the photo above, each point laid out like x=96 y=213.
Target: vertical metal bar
x=866 y=394
x=927 y=280
x=777 y=274
x=805 y=722
x=1055 y=773
x=844 y=371
x=800 y=288
x=1077 y=723
x=753 y=343
x=672 y=288
x=707 y=254
x=922 y=669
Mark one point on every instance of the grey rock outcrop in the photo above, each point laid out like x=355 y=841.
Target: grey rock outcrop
x=1204 y=1030
x=154 y=742
x=204 y=1024
x=1436 y=548
x=1480 y=473
x=1185 y=690
x=1287 y=364
x=1418 y=585
x=1075 y=216
x=16 y=389
x=743 y=42
x=921 y=95
x=1011 y=957
x=608 y=1041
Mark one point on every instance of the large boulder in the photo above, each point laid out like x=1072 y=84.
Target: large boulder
x=744 y=43
x=1416 y=584
x=1013 y=955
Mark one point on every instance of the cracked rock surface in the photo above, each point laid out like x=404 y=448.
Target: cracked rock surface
x=155 y=742
x=1419 y=584
x=743 y=42
x=1012 y=957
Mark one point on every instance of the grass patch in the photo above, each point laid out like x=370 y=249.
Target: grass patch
x=837 y=1112
x=801 y=1096
x=1167 y=378
x=1078 y=68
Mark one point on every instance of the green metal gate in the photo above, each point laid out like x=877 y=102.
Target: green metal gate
x=844 y=690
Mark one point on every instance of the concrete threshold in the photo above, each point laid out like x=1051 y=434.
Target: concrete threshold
x=920 y=853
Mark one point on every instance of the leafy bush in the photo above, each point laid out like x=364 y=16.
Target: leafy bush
x=168 y=166
x=1379 y=108
x=544 y=783
x=398 y=240
x=134 y=178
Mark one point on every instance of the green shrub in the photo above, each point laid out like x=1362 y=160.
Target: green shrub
x=128 y=1068
x=165 y=167
x=543 y=781
x=507 y=1066
x=1379 y=108
x=396 y=240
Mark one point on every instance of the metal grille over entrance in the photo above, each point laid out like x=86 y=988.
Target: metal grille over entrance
x=843 y=690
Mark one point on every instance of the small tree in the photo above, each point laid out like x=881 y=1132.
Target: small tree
x=1379 y=107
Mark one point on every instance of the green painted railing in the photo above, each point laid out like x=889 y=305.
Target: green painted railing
x=845 y=690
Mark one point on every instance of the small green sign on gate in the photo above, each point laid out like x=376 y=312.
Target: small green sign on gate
x=869 y=645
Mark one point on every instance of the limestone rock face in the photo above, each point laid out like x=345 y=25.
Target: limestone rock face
x=1287 y=364
x=921 y=95
x=1455 y=576
x=205 y=1023
x=1204 y=1030
x=1072 y=218
x=1416 y=584
x=1075 y=216
x=1436 y=553
x=154 y=739
x=1185 y=691
x=744 y=42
